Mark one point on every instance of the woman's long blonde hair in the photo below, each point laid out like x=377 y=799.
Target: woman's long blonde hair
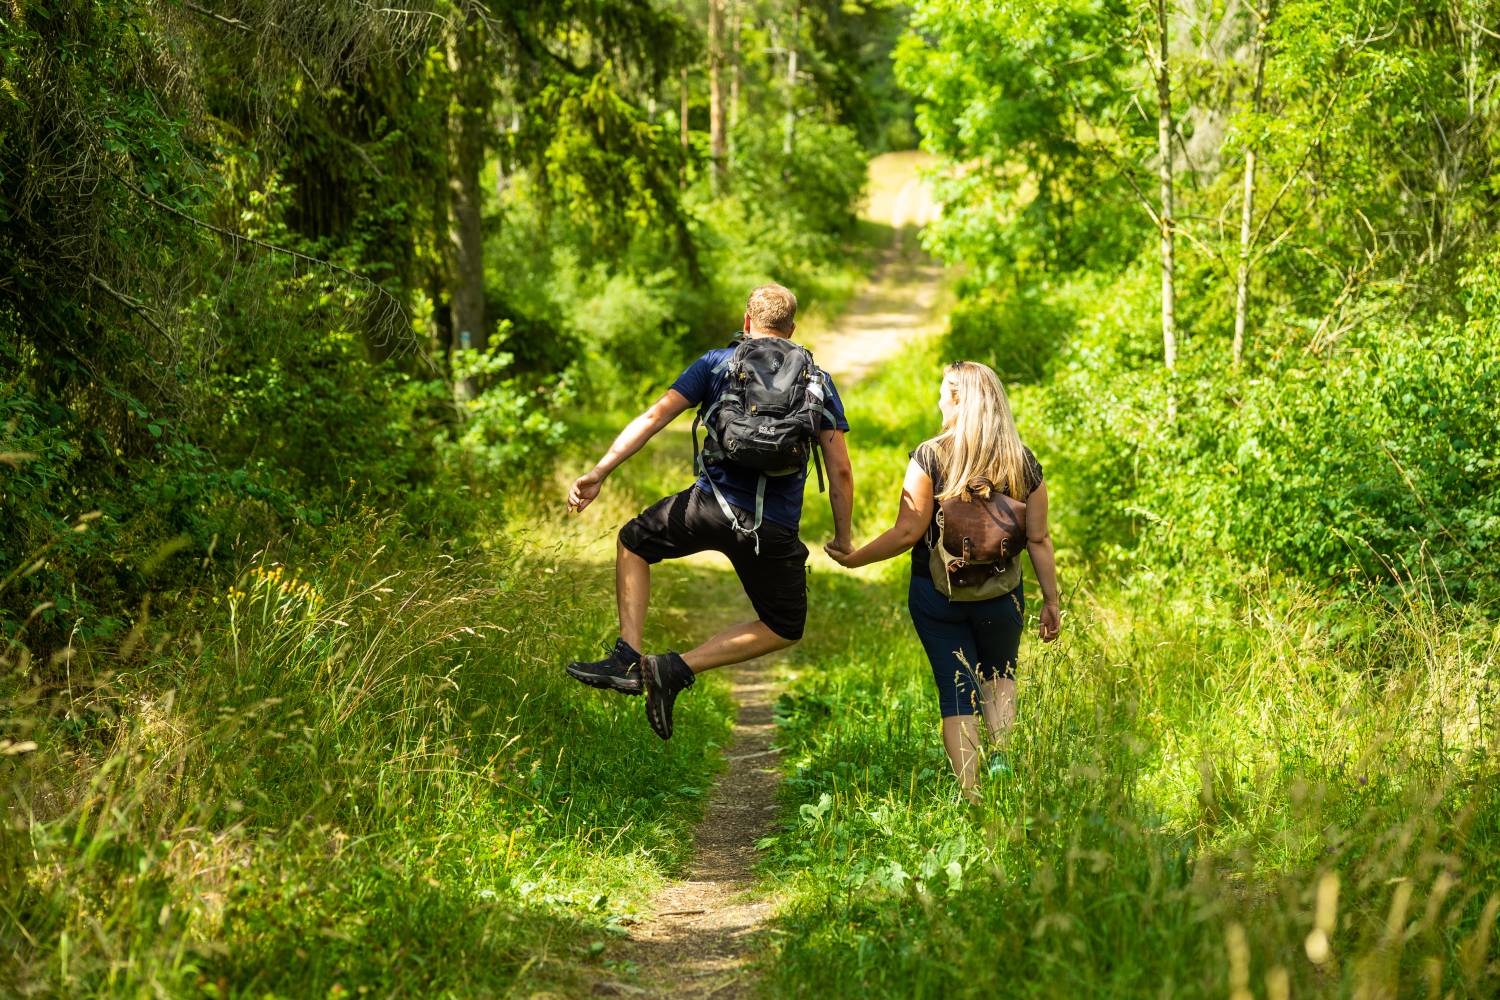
x=980 y=442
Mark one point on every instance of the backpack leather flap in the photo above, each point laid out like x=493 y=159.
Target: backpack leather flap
x=963 y=581
x=983 y=525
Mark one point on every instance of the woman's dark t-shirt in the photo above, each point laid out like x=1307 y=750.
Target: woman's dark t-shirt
x=926 y=457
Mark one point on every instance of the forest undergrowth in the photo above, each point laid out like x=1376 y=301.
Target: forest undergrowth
x=308 y=312
x=360 y=771
x=1264 y=790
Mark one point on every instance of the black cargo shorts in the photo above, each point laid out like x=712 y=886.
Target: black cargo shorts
x=775 y=580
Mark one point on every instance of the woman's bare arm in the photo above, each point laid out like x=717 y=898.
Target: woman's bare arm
x=1043 y=560
x=911 y=522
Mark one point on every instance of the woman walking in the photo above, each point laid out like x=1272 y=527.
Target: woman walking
x=971 y=644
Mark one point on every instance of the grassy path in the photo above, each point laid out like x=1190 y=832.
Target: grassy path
x=706 y=925
x=705 y=928
x=901 y=301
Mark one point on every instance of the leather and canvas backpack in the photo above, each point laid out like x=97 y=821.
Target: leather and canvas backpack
x=979 y=537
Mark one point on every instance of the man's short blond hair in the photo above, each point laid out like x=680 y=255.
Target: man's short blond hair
x=772 y=307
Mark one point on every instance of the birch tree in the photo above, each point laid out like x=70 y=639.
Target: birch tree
x=736 y=77
x=789 y=135
x=716 y=142
x=1165 y=221
x=1247 y=207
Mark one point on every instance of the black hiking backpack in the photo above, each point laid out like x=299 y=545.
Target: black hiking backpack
x=766 y=419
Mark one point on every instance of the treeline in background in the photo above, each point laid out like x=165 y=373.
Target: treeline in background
x=1249 y=250
x=265 y=262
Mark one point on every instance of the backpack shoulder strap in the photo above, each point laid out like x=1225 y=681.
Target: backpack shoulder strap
x=697 y=451
x=734 y=522
x=728 y=360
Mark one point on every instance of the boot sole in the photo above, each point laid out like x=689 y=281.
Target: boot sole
x=661 y=723
x=605 y=682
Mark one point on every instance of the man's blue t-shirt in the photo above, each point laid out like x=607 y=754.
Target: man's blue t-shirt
x=783 y=502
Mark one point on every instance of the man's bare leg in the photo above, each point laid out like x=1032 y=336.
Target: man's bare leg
x=632 y=593
x=735 y=644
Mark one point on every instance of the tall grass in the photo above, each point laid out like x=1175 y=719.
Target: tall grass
x=1262 y=794
x=366 y=775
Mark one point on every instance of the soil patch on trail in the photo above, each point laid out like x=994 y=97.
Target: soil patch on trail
x=896 y=308
x=704 y=929
x=902 y=299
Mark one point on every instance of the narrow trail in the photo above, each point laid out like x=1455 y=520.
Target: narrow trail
x=705 y=927
x=898 y=302
x=703 y=931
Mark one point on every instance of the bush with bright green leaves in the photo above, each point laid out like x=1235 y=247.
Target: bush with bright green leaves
x=1375 y=460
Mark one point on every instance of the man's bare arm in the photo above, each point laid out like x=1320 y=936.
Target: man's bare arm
x=629 y=441
x=840 y=486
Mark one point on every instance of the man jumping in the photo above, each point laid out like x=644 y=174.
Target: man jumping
x=765 y=407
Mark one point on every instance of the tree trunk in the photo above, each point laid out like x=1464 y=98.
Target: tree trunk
x=509 y=125
x=466 y=148
x=716 y=94
x=682 y=125
x=736 y=78
x=789 y=140
x=1164 y=171
x=1242 y=282
x=438 y=269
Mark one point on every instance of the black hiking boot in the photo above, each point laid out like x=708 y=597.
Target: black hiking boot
x=619 y=671
x=666 y=676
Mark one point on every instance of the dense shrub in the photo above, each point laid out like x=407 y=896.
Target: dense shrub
x=1018 y=332
x=1376 y=459
x=1191 y=761
x=798 y=207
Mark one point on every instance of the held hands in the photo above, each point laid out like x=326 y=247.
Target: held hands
x=583 y=491
x=839 y=550
x=1051 y=622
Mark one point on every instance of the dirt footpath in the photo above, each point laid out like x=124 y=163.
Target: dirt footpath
x=705 y=928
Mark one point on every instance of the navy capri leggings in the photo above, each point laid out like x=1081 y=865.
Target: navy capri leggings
x=966 y=641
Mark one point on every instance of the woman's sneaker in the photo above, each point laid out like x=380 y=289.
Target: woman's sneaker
x=666 y=676
x=619 y=671
x=999 y=764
